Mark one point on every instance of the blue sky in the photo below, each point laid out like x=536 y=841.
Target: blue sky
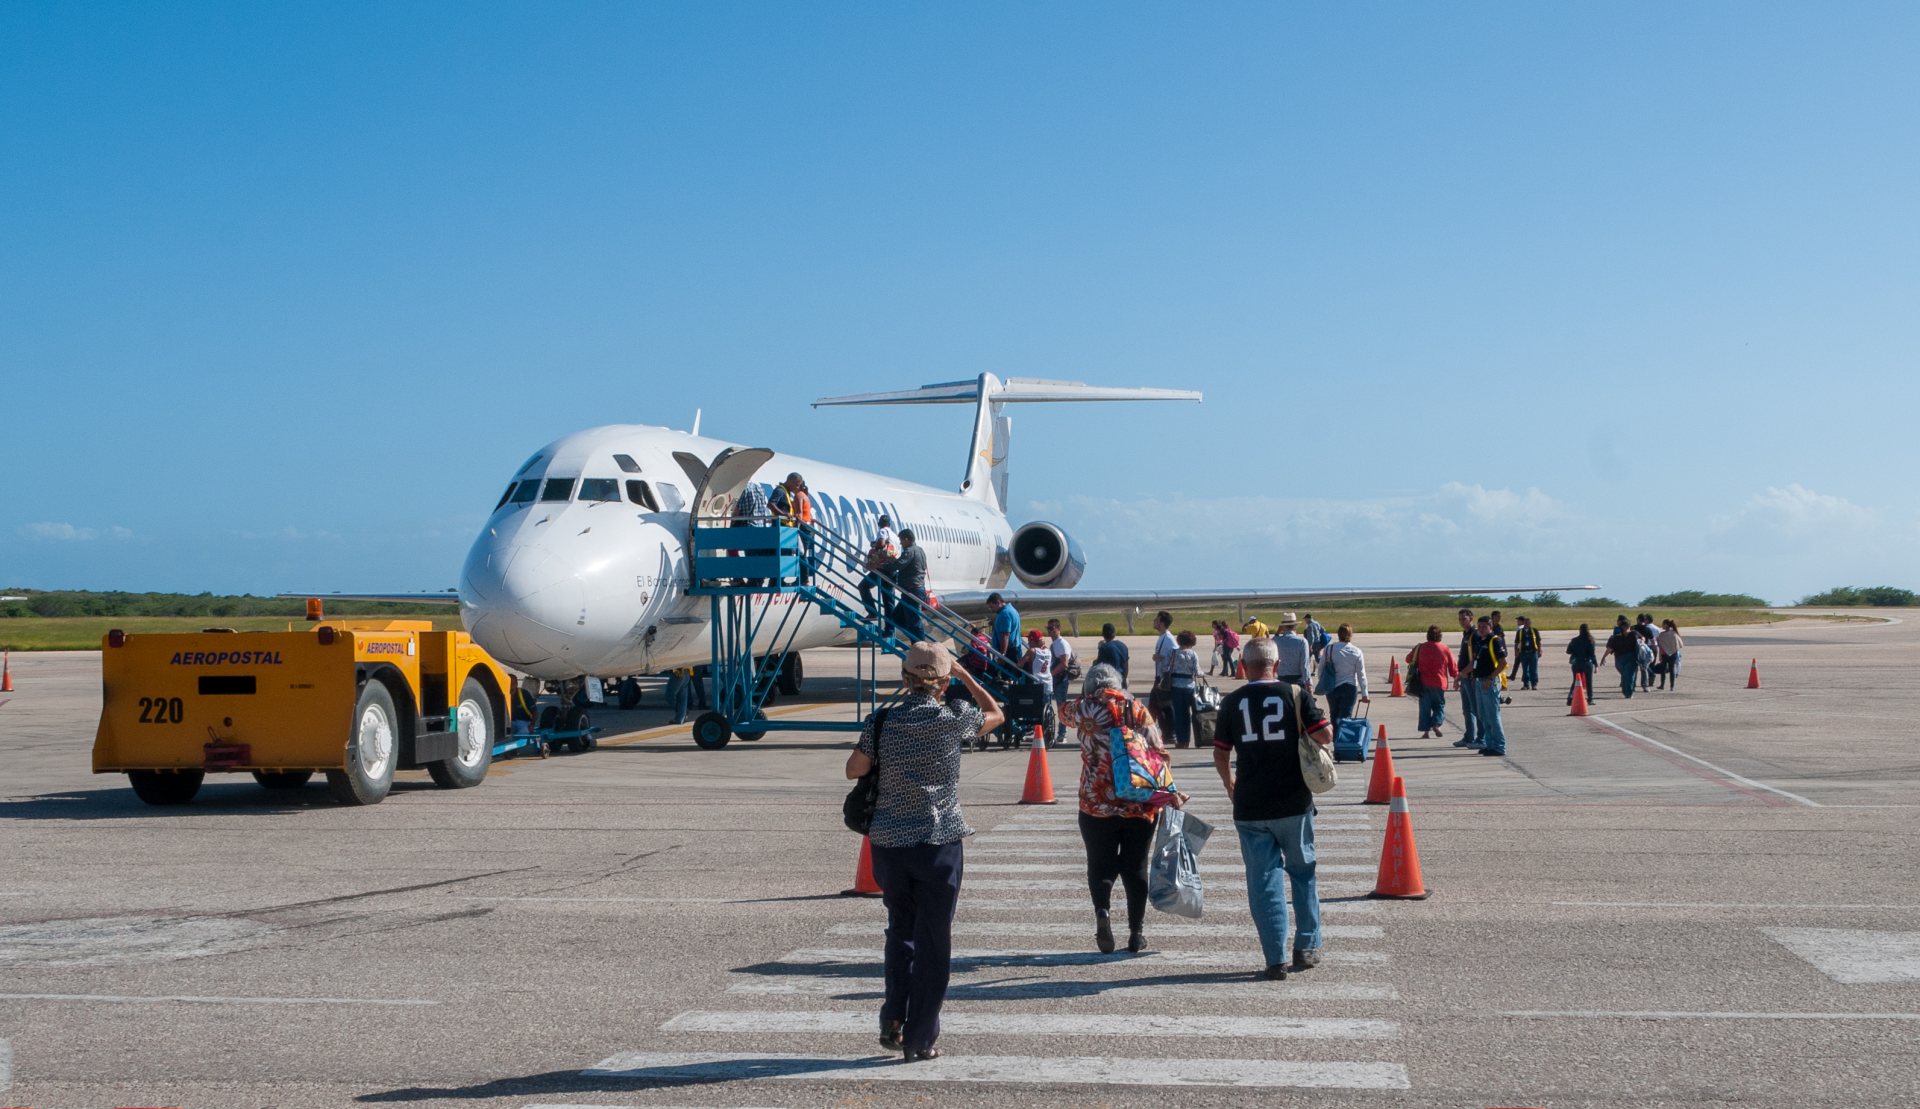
x=1478 y=293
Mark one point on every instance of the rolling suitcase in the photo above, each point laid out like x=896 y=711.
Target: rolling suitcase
x=1353 y=740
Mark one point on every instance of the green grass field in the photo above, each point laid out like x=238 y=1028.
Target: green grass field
x=83 y=633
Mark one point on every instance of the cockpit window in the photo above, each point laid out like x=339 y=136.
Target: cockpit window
x=670 y=496
x=511 y=486
x=524 y=492
x=558 y=489
x=600 y=489
x=530 y=464
x=639 y=494
x=626 y=463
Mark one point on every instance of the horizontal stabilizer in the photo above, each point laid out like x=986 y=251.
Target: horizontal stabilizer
x=1018 y=390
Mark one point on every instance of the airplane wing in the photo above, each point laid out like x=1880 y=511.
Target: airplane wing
x=1059 y=602
x=447 y=597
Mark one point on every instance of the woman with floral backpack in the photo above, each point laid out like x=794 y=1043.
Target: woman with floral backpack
x=1120 y=798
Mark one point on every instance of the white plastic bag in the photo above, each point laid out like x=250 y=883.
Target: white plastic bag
x=1173 y=872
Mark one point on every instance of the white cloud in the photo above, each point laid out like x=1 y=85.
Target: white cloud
x=1795 y=510
x=60 y=532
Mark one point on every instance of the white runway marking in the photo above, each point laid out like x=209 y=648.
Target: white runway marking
x=1080 y=868
x=1329 y=887
x=714 y=1066
x=861 y=1023
x=991 y=853
x=1731 y=904
x=184 y=999
x=1082 y=905
x=1661 y=1014
x=1037 y=838
x=1058 y=928
x=1854 y=957
x=966 y=960
x=961 y=990
x=1721 y=770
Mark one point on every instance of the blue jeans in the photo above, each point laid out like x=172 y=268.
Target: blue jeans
x=1469 y=708
x=920 y=886
x=1629 y=676
x=1487 y=715
x=1433 y=707
x=1530 y=669
x=1181 y=698
x=1268 y=847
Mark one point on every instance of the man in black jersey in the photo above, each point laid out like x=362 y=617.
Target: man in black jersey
x=1259 y=729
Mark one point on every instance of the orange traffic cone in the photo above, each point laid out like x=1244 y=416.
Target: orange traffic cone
x=1399 y=877
x=1381 y=735
x=1380 y=788
x=1399 y=688
x=1240 y=670
x=863 y=883
x=6 y=672
x=1039 y=789
x=1753 y=675
x=1579 y=696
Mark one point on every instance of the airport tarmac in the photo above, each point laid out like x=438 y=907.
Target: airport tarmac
x=1707 y=896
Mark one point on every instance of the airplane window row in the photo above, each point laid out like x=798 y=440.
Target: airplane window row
x=560 y=489
x=935 y=533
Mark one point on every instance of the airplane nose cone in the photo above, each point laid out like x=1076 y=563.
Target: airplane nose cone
x=524 y=606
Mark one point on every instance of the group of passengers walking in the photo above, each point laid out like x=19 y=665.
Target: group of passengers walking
x=1641 y=652
x=918 y=828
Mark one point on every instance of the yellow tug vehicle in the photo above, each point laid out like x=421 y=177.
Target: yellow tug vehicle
x=355 y=700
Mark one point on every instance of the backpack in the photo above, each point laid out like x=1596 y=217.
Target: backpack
x=1139 y=771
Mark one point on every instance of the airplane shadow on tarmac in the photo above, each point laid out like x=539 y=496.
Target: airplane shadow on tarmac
x=222 y=799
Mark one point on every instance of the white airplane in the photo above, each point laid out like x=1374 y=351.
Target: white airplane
x=582 y=569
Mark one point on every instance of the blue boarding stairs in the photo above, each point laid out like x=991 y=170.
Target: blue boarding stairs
x=762 y=582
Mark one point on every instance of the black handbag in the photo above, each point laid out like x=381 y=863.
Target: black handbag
x=857 y=809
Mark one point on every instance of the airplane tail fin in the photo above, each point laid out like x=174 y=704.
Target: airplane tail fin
x=986 y=473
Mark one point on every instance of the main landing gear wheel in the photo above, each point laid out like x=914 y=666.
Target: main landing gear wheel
x=711 y=731
x=629 y=693
x=473 y=750
x=166 y=787
x=372 y=750
x=283 y=779
x=792 y=673
x=578 y=719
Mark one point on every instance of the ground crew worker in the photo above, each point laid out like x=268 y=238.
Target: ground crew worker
x=1526 y=652
x=1469 y=693
x=792 y=505
x=1489 y=654
x=1254 y=629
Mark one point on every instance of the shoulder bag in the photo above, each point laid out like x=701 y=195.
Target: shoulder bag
x=1316 y=760
x=857 y=809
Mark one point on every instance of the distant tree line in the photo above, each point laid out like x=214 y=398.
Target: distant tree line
x=85 y=603
x=1868 y=596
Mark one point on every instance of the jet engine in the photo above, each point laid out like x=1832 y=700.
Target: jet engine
x=1044 y=557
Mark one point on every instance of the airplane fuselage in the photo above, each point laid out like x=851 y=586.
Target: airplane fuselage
x=582 y=568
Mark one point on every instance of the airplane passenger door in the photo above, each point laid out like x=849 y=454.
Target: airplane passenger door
x=729 y=473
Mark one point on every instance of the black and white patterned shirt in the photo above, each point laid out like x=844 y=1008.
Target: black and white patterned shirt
x=919 y=761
